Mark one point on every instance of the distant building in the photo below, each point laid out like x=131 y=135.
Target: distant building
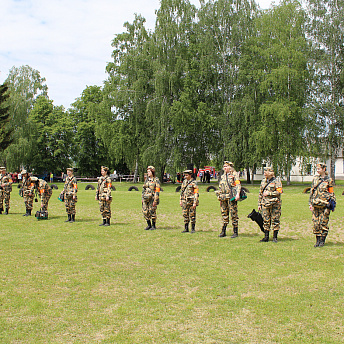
x=305 y=173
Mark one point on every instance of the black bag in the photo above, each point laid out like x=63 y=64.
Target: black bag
x=42 y=215
x=257 y=217
x=242 y=196
x=332 y=204
x=61 y=197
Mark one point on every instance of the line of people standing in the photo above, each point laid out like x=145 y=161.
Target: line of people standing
x=321 y=201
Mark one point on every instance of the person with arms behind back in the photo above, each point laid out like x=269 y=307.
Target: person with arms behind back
x=321 y=201
x=69 y=192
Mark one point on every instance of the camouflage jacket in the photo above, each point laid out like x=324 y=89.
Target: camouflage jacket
x=7 y=180
x=229 y=186
x=70 y=187
x=28 y=186
x=43 y=187
x=189 y=191
x=104 y=188
x=151 y=189
x=274 y=189
x=321 y=191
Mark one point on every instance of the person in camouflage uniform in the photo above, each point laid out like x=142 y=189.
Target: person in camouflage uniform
x=69 y=193
x=28 y=191
x=269 y=203
x=5 y=190
x=45 y=193
x=228 y=195
x=319 y=203
x=103 y=195
x=150 y=198
x=189 y=195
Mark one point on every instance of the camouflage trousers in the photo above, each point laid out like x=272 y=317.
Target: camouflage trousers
x=70 y=205
x=189 y=213
x=45 y=199
x=5 y=196
x=271 y=217
x=320 y=218
x=105 y=208
x=28 y=200
x=149 y=212
x=228 y=207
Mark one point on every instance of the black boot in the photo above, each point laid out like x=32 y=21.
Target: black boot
x=223 y=232
x=1 y=210
x=103 y=224
x=317 y=243
x=153 y=225
x=72 y=218
x=322 y=240
x=149 y=225
x=28 y=212
x=235 y=232
x=107 y=222
x=275 y=236
x=7 y=210
x=193 y=225
x=186 y=230
x=266 y=237
x=69 y=218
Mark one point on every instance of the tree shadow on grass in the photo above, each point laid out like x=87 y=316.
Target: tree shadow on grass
x=168 y=228
x=331 y=243
x=287 y=239
x=249 y=235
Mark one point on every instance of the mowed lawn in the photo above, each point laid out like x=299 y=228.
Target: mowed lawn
x=82 y=283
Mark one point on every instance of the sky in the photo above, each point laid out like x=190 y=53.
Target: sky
x=68 y=41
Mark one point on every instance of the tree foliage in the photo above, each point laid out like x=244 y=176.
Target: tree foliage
x=5 y=130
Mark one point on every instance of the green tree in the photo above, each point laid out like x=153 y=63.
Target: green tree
x=5 y=130
x=280 y=53
x=51 y=137
x=173 y=110
x=326 y=29
x=25 y=84
x=89 y=151
x=224 y=27
x=127 y=92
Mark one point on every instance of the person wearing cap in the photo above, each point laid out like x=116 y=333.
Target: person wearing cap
x=69 y=191
x=150 y=198
x=28 y=191
x=228 y=195
x=5 y=190
x=103 y=195
x=44 y=191
x=269 y=203
x=189 y=195
x=319 y=203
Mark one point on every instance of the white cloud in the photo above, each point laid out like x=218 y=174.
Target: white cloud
x=67 y=41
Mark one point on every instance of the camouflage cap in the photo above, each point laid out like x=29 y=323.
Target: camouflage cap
x=70 y=169
x=228 y=163
x=23 y=172
x=269 y=169
x=152 y=168
x=322 y=165
x=33 y=179
x=105 y=168
x=187 y=172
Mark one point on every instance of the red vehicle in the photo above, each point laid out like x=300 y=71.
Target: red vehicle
x=203 y=172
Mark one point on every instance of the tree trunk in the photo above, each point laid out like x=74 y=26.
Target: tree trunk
x=248 y=176
x=136 y=173
x=333 y=169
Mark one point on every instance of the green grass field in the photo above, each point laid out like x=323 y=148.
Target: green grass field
x=81 y=283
